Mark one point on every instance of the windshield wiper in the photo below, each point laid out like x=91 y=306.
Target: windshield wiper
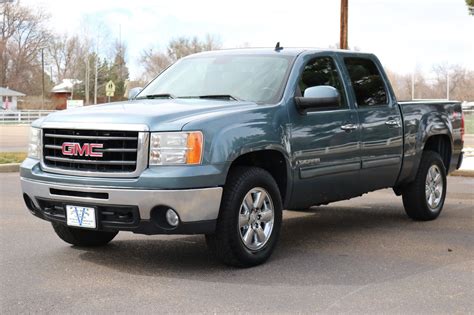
x=215 y=96
x=152 y=96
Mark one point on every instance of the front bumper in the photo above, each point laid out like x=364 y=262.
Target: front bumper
x=197 y=208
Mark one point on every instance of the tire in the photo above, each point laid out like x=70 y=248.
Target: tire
x=422 y=199
x=238 y=239
x=82 y=237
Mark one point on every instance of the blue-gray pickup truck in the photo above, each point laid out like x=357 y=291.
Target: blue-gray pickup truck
x=221 y=142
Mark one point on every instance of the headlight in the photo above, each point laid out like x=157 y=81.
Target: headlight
x=176 y=148
x=34 y=145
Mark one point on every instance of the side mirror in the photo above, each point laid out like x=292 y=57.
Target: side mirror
x=134 y=92
x=317 y=98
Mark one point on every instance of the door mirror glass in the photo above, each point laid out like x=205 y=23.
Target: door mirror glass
x=318 y=98
x=134 y=92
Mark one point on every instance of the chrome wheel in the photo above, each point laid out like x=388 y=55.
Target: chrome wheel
x=256 y=217
x=433 y=187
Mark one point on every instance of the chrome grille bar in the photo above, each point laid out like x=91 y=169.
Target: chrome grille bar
x=49 y=135
x=78 y=161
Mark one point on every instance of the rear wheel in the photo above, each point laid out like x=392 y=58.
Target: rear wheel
x=82 y=237
x=249 y=220
x=424 y=198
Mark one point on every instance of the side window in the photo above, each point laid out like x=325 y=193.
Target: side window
x=321 y=71
x=368 y=85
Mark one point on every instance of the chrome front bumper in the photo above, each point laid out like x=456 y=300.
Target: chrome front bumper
x=192 y=205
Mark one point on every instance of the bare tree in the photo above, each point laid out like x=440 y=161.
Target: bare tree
x=23 y=37
x=67 y=55
x=401 y=84
x=458 y=78
x=154 y=61
x=434 y=85
x=182 y=46
x=211 y=42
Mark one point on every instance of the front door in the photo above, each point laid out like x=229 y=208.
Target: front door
x=380 y=120
x=325 y=142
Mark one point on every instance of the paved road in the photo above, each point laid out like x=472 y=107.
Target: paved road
x=358 y=256
x=14 y=138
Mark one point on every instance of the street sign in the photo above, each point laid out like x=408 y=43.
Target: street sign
x=110 y=88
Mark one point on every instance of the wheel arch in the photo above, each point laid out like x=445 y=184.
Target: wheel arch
x=273 y=161
x=441 y=144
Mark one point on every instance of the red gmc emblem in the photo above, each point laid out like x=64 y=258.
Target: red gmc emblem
x=87 y=149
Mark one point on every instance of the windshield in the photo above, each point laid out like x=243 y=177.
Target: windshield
x=259 y=79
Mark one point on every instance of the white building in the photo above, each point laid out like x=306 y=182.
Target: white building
x=9 y=98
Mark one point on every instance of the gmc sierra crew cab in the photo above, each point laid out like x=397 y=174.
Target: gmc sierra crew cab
x=221 y=142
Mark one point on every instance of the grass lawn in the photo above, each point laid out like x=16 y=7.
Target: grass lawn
x=469 y=123
x=12 y=157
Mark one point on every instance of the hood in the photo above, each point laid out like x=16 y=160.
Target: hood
x=158 y=115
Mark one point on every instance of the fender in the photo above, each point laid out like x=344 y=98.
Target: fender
x=253 y=133
x=417 y=133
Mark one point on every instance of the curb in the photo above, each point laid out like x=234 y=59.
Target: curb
x=463 y=173
x=9 y=168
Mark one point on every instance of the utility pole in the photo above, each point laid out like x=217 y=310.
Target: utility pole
x=96 y=79
x=121 y=54
x=447 y=84
x=42 y=78
x=87 y=79
x=343 y=42
x=97 y=59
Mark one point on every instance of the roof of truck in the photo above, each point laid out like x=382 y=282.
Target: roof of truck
x=290 y=51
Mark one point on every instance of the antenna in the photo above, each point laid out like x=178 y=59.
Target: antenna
x=277 y=47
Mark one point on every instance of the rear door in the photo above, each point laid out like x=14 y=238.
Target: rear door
x=380 y=120
x=324 y=142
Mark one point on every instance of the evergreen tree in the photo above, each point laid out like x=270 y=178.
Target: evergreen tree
x=118 y=71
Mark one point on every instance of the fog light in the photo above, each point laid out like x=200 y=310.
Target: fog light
x=172 y=217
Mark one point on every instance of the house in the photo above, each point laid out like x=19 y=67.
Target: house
x=9 y=98
x=63 y=92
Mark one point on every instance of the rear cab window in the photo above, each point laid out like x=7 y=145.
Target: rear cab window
x=366 y=81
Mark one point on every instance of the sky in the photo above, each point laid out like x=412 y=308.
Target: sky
x=404 y=34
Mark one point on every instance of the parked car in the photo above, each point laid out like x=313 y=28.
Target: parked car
x=221 y=142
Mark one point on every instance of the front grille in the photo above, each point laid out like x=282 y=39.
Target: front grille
x=119 y=150
x=109 y=216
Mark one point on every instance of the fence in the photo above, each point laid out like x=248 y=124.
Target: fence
x=22 y=116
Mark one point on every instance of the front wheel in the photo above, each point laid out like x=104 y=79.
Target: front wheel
x=249 y=219
x=423 y=199
x=82 y=237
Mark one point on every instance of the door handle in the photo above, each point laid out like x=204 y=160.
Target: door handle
x=349 y=127
x=392 y=123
